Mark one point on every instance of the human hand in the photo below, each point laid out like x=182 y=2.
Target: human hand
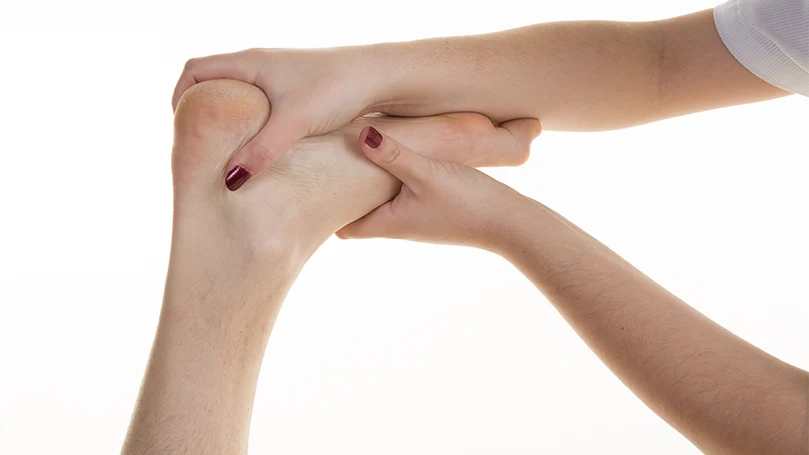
x=324 y=182
x=234 y=258
x=312 y=92
x=439 y=201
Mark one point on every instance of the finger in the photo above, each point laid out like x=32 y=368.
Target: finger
x=510 y=145
x=381 y=222
x=277 y=136
x=404 y=164
x=522 y=132
x=237 y=65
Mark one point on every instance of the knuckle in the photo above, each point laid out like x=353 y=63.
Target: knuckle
x=263 y=152
x=191 y=63
x=393 y=153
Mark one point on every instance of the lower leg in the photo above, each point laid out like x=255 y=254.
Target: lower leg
x=234 y=256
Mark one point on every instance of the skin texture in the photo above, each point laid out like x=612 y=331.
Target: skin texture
x=233 y=259
x=722 y=393
x=235 y=256
x=574 y=76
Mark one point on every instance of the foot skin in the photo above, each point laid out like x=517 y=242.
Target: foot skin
x=320 y=185
x=234 y=255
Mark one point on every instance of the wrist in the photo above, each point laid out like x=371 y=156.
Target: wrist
x=514 y=225
x=398 y=69
x=428 y=77
x=381 y=66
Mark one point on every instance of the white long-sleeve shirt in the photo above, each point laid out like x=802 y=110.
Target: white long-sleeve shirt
x=770 y=38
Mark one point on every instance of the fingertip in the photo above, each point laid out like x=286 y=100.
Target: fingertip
x=236 y=177
x=522 y=133
x=182 y=85
x=371 y=138
x=254 y=158
x=523 y=128
x=175 y=99
x=257 y=156
x=537 y=127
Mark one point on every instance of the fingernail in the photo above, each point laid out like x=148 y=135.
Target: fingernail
x=373 y=139
x=236 y=178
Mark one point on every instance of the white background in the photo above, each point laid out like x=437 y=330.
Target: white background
x=464 y=356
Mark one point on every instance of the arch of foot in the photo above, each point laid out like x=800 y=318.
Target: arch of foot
x=317 y=187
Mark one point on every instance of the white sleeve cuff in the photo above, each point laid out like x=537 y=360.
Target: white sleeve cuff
x=770 y=38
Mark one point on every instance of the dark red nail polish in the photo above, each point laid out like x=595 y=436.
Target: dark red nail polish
x=373 y=139
x=236 y=178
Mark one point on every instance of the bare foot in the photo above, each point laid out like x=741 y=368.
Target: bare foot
x=234 y=256
x=320 y=185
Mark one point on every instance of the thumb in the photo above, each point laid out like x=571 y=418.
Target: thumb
x=277 y=136
x=381 y=222
x=404 y=164
x=522 y=133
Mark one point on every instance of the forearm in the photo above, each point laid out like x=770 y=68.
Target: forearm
x=574 y=76
x=724 y=394
x=571 y=75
